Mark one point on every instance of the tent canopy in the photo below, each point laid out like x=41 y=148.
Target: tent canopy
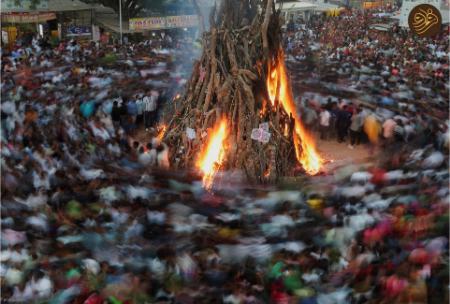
x=112 y=22
x=295 y=6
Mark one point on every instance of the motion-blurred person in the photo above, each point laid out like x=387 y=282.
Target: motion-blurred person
x=343 y=121
x=324 y=120
x=356 y=128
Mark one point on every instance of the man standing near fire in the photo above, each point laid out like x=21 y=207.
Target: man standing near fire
x=343 y=122
x=324 y=123
x=150 y=104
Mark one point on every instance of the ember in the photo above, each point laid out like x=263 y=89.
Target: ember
x=267 y=172
x=161 y=132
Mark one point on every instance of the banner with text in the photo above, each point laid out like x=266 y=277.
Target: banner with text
x=78 y=30
x=158 y=23
x=27 y=17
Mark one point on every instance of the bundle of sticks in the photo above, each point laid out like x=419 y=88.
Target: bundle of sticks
x=230 y=80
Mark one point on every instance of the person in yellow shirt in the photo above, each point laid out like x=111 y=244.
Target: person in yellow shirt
x=372 y=128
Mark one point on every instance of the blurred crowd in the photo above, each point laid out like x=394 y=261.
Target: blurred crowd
x=88 y=216
x=379 y=127
x=398 y=77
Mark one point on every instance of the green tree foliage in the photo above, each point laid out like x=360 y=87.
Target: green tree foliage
x=33 y=3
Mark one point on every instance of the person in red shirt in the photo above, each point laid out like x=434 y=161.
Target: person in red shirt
x=378 y=176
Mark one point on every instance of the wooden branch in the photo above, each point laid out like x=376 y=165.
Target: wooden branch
x=201 y=95
x=248 y=94
x=279 y=133
x=231 y=55
x=229 y=81
x=265 y=27
x=212 y=57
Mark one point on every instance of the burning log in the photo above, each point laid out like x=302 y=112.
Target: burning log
x=237 y=111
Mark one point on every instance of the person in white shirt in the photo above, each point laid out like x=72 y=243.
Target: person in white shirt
x=146 y=114
x=144 y=157
x=324 y=121
x=140 y=110
x=147 y=156
x=150 y=105
x=163 y=156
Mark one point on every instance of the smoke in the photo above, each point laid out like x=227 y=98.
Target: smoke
x=186 y=57
x=203 y=9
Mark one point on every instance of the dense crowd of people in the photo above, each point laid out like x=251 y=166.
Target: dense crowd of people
x=380 y=127
x=86 y=217
x=400 y=78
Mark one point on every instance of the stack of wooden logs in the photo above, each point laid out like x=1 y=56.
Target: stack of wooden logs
x=229 y=80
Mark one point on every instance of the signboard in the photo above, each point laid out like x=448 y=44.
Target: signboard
x=158 y=23
x=372 y=4
x=153 y=23
x=27 y=17
x=182 y=21
x=23 y=5
x=78 y=30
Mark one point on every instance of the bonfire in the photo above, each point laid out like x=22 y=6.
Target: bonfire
x=238 y=112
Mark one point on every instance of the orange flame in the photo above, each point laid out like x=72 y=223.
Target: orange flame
x=263 y=110
x=307 y=155
x=161 y=132
x=212 y=156
x=272 y=83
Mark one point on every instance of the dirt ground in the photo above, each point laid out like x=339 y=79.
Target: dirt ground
x=339 y=154
x=333 y=150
